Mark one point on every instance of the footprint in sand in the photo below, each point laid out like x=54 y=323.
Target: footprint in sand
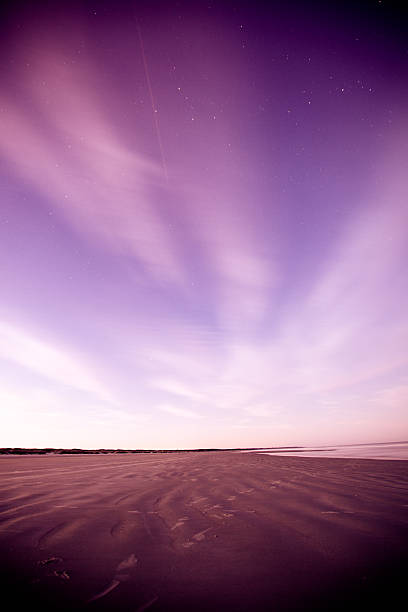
x=63 y=574
x=58 y=573
x=127 y=563
x=50 y=560
x=119 y=577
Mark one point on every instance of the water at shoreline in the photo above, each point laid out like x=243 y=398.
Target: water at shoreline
x=382 y=450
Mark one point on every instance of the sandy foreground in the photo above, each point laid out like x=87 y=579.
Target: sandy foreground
x=202 y=531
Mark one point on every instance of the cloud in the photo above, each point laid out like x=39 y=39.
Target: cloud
x=97 y=183
x=106 y=190
x=242 y=264
x=243 y=423
x=181 y=412
x=394 y=399
x=262 y=410
x=49 y=361
x=176 y=387
x=244 y=282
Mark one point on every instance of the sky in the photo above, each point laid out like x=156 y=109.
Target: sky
x=203 y=224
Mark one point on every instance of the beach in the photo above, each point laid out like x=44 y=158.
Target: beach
x=202 y=531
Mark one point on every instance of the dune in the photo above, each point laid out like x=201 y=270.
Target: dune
x=202 y=531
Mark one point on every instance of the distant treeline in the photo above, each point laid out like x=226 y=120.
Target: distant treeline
x=99 y=451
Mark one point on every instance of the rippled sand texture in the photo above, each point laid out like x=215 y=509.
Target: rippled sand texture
x=202 y=531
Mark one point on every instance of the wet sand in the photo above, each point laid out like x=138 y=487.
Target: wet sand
x=202 y=531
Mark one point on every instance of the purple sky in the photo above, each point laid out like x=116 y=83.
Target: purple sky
x=203 y=224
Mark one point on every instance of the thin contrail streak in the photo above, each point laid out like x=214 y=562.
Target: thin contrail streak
x=155 y=118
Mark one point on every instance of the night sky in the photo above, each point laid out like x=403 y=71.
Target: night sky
x=203 y=224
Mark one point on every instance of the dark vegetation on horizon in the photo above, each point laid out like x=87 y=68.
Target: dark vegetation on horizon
x=110 y=451
x=114 y=451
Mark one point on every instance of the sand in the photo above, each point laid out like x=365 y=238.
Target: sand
x=202 y=531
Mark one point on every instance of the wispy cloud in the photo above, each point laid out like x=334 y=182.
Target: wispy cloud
x=263 y=410
x=181 y=412
x=244 y=270
x=49 y=361
x=99 y=185
x=176 y=387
